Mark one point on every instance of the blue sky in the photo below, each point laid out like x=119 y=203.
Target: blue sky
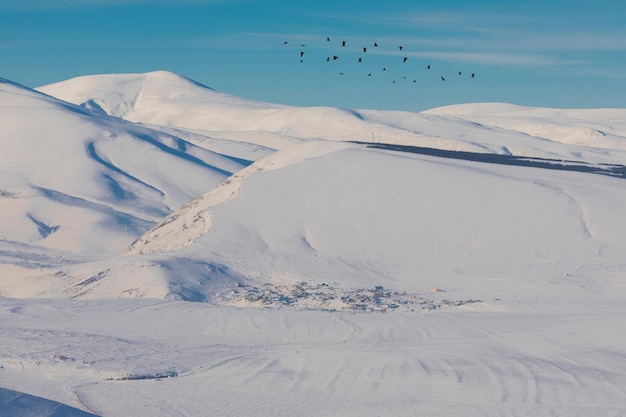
x=557 y=53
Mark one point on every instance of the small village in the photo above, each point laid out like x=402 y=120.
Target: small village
x=330 y=297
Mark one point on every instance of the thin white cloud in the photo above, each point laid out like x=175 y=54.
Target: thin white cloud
x=576 y=41
x=484 y=31
x=456 y=50
x=496 y=59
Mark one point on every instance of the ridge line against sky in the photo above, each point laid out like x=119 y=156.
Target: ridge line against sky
x=561 y=54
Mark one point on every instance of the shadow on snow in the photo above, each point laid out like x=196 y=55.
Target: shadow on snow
x=613 y=170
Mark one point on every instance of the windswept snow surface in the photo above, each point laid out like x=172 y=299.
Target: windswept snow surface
x=528 y=357
x=495 y=232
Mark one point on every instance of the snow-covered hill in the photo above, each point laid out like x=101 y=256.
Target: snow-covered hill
x=311 y=201
x=84 y=185
x=491 y=234
x=594 y=128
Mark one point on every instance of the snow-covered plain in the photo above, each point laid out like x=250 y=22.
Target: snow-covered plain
x=497 y=231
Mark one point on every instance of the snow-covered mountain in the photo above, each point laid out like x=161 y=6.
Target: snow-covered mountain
x=492 y=235
x=164 y=99
x=275 y=216
x=78 y=185
x=310 y=200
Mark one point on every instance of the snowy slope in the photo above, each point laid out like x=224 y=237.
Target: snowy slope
x=595 y=128
x=165 y=99
x=366 y=217
x=86 y=184
x=16 y=404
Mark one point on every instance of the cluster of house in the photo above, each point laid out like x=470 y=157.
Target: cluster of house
x=330 y=297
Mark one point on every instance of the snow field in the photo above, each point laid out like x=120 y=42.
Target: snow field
x=281 y=362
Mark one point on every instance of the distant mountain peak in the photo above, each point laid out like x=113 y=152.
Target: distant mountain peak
x=162 y=75
x=119 y=94
x=125 y=95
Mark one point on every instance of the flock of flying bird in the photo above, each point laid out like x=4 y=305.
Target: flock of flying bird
x=360 y=59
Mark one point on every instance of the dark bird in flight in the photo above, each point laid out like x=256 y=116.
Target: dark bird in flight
x=360 y=59
x=460 y=72
x=428 y=67
x=364 y=49
x=404 y=60
x=343 y=43
x=400 y=47
x=335 y=58
x=375 y=45
x=327 y=58
x=285 y=43
x=369 y=75
x=301 y=54
x=327 y=39
x=473 y=75
x=442 y=79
